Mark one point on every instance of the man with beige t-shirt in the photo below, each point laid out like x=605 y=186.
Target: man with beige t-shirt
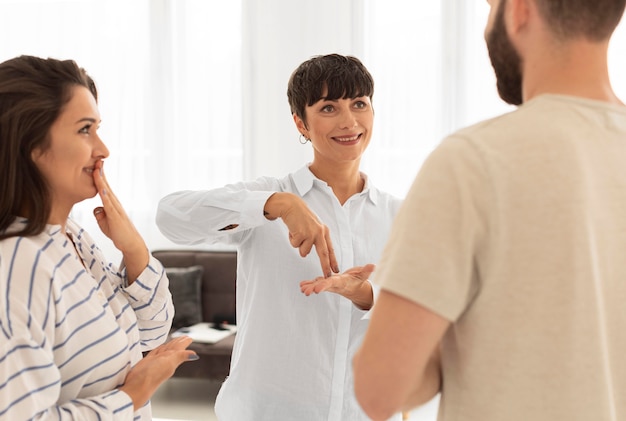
x=504 y=278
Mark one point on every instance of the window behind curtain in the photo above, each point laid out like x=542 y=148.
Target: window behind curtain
x=168 y=75
x=403 y=52
x=433 y=76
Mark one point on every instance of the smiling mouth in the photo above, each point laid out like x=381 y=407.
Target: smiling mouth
x=348 y=139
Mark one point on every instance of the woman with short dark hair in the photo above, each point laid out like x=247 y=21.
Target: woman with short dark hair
x=298 y=326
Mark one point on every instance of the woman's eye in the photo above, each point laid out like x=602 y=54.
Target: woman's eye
x=328 y=108
x=360 y=104
x=85 y=129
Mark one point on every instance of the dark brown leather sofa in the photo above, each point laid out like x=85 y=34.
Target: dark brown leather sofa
x=218 y=305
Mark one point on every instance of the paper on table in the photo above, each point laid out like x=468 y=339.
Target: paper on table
x=205 y=332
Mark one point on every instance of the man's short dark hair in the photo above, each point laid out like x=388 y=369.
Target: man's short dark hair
x=594 y=20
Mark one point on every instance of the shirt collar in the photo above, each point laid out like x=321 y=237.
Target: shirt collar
x=19 y=221
x=304 y=180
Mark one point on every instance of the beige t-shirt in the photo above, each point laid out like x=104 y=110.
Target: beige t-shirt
x=515 y=231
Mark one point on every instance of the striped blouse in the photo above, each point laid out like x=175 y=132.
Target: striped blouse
x=71 y=331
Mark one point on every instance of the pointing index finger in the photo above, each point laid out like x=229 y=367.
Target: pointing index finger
x=324 y=253
x=331 y=253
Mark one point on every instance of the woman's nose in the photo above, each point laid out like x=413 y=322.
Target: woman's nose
x=348 y=120
x=101 y=149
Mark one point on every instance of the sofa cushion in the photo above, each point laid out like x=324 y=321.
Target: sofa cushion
x=218 y=281
x=185 y=286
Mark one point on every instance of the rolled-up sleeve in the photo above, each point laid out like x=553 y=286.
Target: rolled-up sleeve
x=211 y=216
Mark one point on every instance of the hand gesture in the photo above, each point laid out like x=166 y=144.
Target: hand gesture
x=156 y=367
x=305 y=230
x=116 y=225
x=352 y=284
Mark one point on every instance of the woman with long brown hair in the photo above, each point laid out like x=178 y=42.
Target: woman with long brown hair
x=73 y=327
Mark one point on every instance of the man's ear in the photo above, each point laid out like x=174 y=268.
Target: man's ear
x=518 y=14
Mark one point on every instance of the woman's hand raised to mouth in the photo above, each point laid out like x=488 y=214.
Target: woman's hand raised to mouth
x=116 y=225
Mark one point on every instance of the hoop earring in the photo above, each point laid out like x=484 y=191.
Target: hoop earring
x=303 y=140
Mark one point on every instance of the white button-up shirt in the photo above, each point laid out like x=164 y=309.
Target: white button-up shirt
x=292 y=358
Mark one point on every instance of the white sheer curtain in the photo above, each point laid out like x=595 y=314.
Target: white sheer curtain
x=193 y=138
x=404 y=54
x=169 y=80
x=433 y=76
x=192 y=92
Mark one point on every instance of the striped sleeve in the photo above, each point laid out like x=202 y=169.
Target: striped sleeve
x=150 y=297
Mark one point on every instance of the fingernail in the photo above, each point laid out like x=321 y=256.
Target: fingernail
x=328 y=275
x=104 y=191
x=193 y=357
x=100 y=172
x=336 y=269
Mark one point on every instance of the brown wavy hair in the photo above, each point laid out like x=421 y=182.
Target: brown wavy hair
x=33 y=93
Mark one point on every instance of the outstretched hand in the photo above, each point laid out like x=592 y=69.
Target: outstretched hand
x=156 y=367
x=352 y=284
x=116 y=225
